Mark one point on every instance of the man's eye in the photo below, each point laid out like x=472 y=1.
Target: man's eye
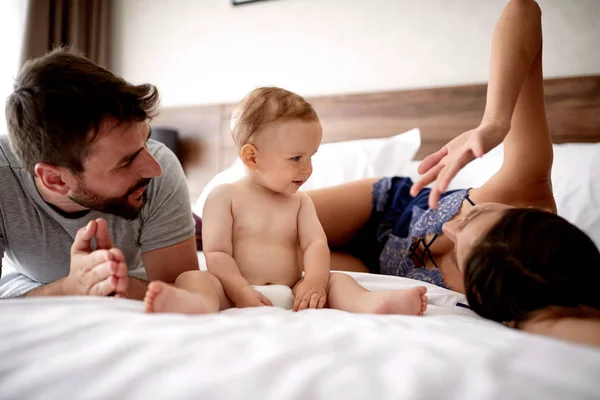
x=126 y=165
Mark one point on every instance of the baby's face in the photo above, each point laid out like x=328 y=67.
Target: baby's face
x=285 y=153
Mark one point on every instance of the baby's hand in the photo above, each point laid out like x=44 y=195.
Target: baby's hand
x=250 y=297
x=309 y=294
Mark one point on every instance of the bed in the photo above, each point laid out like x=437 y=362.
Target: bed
x=101 y=348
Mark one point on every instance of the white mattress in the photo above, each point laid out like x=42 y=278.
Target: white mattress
x=107 y=348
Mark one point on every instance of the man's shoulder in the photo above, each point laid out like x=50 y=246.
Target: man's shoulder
x=171 y=185
x=170 y=164
x=160 y=151
x=10 y=171
x=7 y=157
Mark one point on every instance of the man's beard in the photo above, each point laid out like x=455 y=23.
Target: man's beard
x=118 y=206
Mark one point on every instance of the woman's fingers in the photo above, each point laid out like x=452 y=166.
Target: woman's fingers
x=434 y=197
x=431 y=160
x=446 y=175
x=452 y=169
x=425 y=180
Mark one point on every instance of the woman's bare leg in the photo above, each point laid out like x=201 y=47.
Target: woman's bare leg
x=346 y=262
x=343 y=209
x=194 y=292
x=344 y=293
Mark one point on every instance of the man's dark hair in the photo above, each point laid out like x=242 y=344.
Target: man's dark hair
x=59 y=102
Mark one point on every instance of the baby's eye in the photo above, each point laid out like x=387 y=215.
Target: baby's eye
x=297 y=158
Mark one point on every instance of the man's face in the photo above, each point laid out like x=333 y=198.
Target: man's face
x=117 y=170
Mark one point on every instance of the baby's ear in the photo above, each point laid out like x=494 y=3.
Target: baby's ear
x=248 y=155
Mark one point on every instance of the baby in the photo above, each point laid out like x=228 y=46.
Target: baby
x=261 y=230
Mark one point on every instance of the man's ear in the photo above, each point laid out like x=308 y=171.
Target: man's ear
x=53 y=178
x=249 y=156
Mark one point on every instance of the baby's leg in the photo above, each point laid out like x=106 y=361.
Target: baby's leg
x=346 y=294
x=194 y=292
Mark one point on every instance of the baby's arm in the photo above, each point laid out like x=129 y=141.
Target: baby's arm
x=217 y=226
x=310 y=293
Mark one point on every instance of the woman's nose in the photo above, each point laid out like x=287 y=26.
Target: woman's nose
x=450 y=228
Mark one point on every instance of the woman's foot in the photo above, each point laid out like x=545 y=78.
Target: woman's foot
x=164 y=298
x=407 y=302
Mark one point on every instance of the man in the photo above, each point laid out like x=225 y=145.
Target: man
x=85 y=197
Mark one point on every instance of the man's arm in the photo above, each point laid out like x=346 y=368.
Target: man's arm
x=167 y=263
x=2 y=246
x=92 y=272
x=168 y=228
x=55 y=288
x=136 y=288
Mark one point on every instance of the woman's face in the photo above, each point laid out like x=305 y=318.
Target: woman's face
x=467 y=232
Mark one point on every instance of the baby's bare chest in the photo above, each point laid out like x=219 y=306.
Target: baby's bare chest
x=275 y=219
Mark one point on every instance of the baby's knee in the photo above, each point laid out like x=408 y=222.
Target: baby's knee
x=191 y=276
x=337 y=278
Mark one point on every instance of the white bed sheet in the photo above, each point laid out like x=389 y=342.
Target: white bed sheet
x=106 y=348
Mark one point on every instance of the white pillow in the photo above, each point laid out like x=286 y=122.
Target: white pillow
x=575 y=181
x=576 y=186
x=341 y=162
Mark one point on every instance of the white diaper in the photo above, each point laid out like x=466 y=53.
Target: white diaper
x=280 y=295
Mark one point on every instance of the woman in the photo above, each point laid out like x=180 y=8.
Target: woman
x=502 y=243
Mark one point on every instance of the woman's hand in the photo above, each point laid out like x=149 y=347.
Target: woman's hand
x=444 y=164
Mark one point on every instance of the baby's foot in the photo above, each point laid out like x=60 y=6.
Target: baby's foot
x=163 y=298
x=408 y=302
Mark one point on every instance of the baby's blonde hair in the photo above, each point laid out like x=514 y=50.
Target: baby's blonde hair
x=264 y=106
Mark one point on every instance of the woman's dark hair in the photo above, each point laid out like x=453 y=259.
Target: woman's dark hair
x=532 y=260
x=61 y=97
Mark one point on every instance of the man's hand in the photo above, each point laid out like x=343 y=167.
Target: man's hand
x=103 y=241
x=250 y=297
x=95 y=272
x=309 y=293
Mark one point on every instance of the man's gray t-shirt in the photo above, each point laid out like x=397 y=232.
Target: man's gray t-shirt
x=35 y=240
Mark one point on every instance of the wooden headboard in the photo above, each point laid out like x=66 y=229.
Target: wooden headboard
x=206 y=147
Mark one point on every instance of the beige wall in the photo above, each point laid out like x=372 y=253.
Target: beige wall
x=207 y=51
x=12 y=20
